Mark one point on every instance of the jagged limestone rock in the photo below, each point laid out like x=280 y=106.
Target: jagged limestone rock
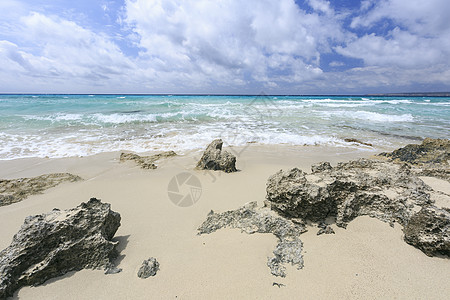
x=215 y=159
x=430 y=151
x=251 y=219
x=429 y=230
x=54 y=243
x=290 y=193
x=148 y=268
x=146 y=162
x=16 y=190
x=431 y=158
x=383 y=190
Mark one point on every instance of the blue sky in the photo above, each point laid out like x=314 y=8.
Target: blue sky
x=199 y=46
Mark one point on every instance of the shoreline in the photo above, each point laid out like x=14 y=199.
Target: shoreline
x=367 y=260
x=17 y=166
x=62 y=126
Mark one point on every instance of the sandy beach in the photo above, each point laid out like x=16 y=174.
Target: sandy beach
x=368 y=260
x=334 y=177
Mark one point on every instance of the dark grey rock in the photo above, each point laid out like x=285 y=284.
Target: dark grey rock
x=215 y=159
x=148 y=268
x=54 y=243
x=146 y=162
x=429 y=230
x=387 y=191
x=251 y=219
x=16 y=190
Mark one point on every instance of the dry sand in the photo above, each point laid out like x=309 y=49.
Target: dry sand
x=368 y=260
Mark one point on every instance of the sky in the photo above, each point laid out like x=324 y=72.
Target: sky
x=224 y=46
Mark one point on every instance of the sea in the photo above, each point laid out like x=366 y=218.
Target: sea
x=80 y=125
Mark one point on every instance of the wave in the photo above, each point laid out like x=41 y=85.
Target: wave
x=377 y=117
x=84 y=144
x=86 y=126
x=435 y=104
x=123 y=118
x=362 y=101
x=369 y=116
x=54 y=118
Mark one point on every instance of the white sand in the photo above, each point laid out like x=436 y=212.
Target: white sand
x=368 y=260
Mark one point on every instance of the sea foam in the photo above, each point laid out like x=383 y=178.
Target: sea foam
x=80 y=125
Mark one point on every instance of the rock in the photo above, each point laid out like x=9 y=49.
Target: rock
x=16 y=190
x=321 y=167
x=148 y=268
x=279 y=285
x=325 y=229
x=431 y=158
x=215 y=159
x=112 y=270
x=146 y=162
x=430 y=151
x=356 y=141
x=54 y=243
x=290 y=193
x=438 y=171
x=429 y=230
x=387 y=191
x=251 y=219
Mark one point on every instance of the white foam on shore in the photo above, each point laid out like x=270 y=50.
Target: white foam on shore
x=122 y=118
x=90 y=143
x=362 y=101
x=184 y=124
x=369 y=116
x=377 y=117
x=54 y=117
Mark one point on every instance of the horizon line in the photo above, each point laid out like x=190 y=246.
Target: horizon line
x=420 y=94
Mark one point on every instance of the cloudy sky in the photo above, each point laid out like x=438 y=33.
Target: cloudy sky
x=224 y=46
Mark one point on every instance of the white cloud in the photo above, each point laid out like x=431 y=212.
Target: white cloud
x=223 y=46
x=420 y=39
x=63 y=51
x=322 y=6
x=217 y=41
x=375 y=79
x=400 y=49
x=336 y=64
x=421 y=17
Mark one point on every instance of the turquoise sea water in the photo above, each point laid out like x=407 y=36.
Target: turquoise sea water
x=75 y=125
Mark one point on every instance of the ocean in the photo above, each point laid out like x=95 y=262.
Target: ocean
x=80 y=125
